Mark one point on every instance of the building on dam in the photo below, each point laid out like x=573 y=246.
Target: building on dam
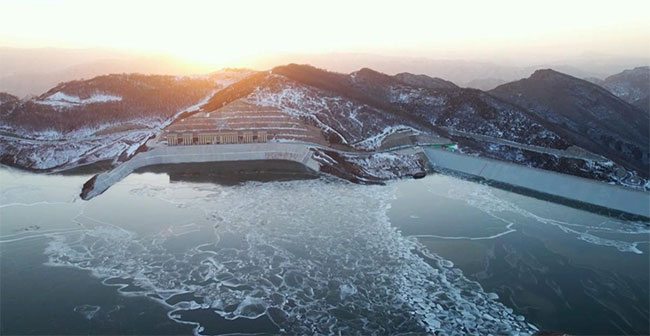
x=210 y=138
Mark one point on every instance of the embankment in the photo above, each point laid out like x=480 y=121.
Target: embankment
x=572 y=190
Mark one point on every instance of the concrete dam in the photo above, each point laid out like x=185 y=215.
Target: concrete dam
x=296 y=152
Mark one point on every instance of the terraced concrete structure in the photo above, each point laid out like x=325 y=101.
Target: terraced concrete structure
x=297 y=152
x=240 y=117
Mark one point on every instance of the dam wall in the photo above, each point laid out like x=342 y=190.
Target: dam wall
x=296 y=152
x=559 y=186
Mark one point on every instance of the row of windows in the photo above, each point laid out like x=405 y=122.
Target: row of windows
x=215 y=138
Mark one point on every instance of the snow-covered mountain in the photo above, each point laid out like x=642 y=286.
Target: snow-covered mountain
x=99 y=119
x=351 y=108
x=110 y=117
x=359 y=109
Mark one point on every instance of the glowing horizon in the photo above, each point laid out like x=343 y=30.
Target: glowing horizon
x=226 y=33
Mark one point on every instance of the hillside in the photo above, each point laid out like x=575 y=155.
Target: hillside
x=584 y=114
x=361 y=104
x=109 y=118
x=344 y=119
x=466 y=110
x=105 y=100
x=103 y=118
x=360 y=109
x=8 y=102
x=643 y=103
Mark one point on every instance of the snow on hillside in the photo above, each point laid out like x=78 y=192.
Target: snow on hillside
x=345 y=120
x=61 y=99
x=67 y=154
x=375 y=141
x=409 y=95
x=51 y=149
x=375 y=168
x=299 y=102
x=84 y=133
x=388 y=166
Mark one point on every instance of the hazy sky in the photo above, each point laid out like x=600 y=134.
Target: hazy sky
x=220 y=33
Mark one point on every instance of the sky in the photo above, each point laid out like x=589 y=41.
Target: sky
x=222 y=33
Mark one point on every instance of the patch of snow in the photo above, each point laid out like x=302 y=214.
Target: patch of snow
x=375 y=141
x=405 y=95
x=68 y=153
x=84 y=133
x=320 y=156
x=388 y=165
x=353 y=116
x=131 y=150
x=61 y=99
x=49 y=134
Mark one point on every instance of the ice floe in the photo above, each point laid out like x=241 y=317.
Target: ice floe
x=318 y=256
x=87 y=311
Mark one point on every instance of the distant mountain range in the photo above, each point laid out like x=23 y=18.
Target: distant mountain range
x=463 y=72
x=631 y=85
x=34 y=71
x=31 y=72
x=486 y=84
x=549 y=120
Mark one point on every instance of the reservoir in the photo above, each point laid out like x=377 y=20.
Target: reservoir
x=156 y=254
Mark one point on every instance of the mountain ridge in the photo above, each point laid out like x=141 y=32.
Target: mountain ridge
x=586 y=113
x=355 y=111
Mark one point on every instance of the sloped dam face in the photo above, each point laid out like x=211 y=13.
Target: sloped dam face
x=160 y=254
x=233 y=172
